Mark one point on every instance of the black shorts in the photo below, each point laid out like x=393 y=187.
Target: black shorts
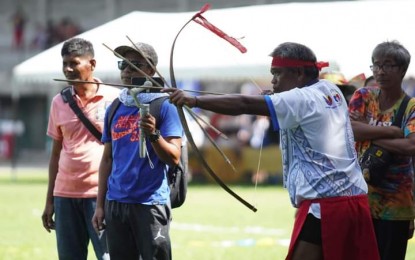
x=311 y=230
x=137 y=229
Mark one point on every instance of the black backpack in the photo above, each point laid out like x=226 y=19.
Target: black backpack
x=177 y=175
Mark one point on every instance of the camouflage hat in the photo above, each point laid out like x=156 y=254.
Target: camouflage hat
x=145 y=48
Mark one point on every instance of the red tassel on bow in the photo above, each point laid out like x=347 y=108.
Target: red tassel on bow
x=198 y=18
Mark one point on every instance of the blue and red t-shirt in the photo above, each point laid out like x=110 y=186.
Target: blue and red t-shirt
x=134 y=179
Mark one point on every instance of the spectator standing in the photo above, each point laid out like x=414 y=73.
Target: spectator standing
x=134 y=195
x=75 y=155
x=373 y=110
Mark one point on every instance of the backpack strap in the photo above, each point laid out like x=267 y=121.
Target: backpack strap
x=398 y=120
x=155 y=108
x=113 y=107
x=67 y=96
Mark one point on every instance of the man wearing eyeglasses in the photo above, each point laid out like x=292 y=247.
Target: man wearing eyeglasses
x=133 y=193
x=372 y=110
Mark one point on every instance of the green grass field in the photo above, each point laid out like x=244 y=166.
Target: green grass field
x=211 y=224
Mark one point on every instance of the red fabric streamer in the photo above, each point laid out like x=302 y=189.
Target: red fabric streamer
x=198 y=18
x=284 y=62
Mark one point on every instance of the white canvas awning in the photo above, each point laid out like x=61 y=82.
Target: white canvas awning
x=340 y=32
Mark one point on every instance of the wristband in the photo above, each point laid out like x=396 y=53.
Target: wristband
x=154 y=137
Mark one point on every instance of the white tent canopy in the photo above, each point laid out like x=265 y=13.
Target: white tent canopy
x=343 y=32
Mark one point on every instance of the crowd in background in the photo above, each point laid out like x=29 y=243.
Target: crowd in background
x=247 y=130
x=54 y=33
x=243 y=131
x=45 y=35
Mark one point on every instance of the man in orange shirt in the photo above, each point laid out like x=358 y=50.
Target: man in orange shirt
x=76 y=155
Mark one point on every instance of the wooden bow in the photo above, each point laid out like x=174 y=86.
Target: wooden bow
x=186 y=127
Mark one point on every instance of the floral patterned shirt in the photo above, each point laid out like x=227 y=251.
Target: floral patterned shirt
x=393 y=198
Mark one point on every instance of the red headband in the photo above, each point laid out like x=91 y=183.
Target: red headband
x=284 y=62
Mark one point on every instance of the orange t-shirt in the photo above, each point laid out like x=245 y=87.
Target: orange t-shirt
x=81 y=152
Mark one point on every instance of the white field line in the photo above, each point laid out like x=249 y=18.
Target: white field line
x=218 y=229
x=271 y=236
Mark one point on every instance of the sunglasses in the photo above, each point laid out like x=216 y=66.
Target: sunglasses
x=123 y=64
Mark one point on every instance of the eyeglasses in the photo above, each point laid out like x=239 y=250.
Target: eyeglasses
x=385 y=67
x=123 y=64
